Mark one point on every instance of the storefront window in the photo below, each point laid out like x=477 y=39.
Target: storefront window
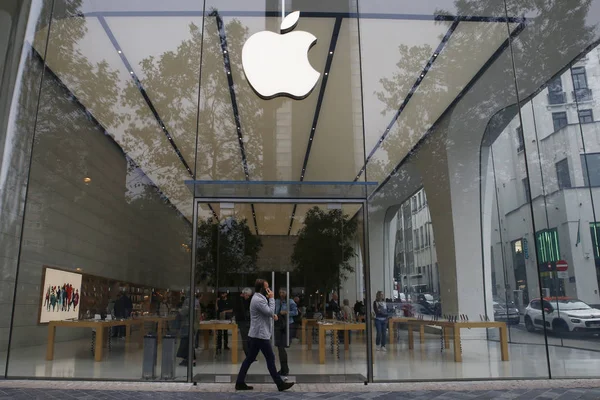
x=418 y=179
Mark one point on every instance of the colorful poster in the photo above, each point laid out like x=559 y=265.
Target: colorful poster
x=61 y=295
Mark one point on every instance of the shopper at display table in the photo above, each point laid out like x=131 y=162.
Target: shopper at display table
x=283 y=325
x=381 y=319
x=242 y=317
x=334 y=306
x=184 y=333
x=224 y=311
x=122 y=309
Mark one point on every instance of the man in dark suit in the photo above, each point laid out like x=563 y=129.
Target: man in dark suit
x=334 y=306
x=242 y=317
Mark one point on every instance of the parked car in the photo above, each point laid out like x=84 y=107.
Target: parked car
x=428 y=304
x=506 y=313
x=562 y=315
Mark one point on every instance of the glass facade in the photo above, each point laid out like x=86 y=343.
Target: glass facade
x=422 y=212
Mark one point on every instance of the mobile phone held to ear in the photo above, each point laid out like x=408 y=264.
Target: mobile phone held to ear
x=263 y=291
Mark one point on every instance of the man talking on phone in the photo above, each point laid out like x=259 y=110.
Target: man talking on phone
x=262 y=312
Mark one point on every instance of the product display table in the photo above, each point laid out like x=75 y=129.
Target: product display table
x=100 y=328
x=161 y=323
x=215 y=326
x=98 y=325
x=447 y=327
x=306 y=324
x=335 y=326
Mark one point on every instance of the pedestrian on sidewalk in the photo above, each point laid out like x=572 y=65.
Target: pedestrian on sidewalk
x=262 y=311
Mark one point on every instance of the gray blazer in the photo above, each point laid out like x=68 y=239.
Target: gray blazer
x=261 y=316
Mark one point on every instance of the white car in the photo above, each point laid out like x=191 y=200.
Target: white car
x=562 y=315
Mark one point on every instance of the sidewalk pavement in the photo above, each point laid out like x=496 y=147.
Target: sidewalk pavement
x=588 y=389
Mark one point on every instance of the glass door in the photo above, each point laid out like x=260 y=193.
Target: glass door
x=311 y=255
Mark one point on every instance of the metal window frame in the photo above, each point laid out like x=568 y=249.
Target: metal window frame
x=254 y=200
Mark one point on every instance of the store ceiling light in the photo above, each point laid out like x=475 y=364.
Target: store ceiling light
x=87 y=180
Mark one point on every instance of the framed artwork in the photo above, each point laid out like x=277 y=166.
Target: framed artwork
x=61 y=295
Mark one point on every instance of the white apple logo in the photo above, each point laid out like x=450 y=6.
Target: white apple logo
x=277 y=65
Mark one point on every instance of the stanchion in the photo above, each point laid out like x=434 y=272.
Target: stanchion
x=168 y=357
x=149 y=360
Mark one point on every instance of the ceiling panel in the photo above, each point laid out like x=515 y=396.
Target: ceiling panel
x=219 y=156
x=339 y=133
x=399 y=59
x=273 y=219
x=302 y=209
x=276 y=131
x=83 y=58
x=167 y=63
x=439 y=88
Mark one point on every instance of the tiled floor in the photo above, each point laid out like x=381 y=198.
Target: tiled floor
x=481 y=360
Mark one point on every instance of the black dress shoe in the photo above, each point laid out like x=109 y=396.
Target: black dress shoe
x=242 y=386
x=285 y=386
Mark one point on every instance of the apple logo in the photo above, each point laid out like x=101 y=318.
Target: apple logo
x=277 y=64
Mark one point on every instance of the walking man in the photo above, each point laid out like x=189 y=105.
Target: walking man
x=262 y=311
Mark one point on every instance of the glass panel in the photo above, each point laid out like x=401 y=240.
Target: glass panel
x=320 y=249
x=558 y=140
x=242 y=136
x=441 y=128
x=108 y=221
x=281 y=190
x=20 y=79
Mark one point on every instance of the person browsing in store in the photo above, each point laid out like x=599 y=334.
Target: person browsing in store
x=242 y=316
x=283 y=328
x=262 y=313
x=224 y=310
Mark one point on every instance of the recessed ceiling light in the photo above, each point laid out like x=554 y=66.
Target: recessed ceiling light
x=131 y=72
x=120 y=52
x=87 y=180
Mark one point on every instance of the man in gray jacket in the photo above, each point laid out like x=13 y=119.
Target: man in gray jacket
x=262 y=312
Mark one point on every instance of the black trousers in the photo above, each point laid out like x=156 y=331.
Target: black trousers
x=281 y=344
x=222 y=337
x=283 y=361
x=254 y=347
x=244 y=330
x=184 y=347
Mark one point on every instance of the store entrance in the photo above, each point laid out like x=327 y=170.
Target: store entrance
x=312 y=255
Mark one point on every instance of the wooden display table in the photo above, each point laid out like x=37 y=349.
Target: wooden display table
x=334 y=327
x=160 y=322
x=448 y=326
x=99 y=326
x=306 y=323
x=215 y=326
